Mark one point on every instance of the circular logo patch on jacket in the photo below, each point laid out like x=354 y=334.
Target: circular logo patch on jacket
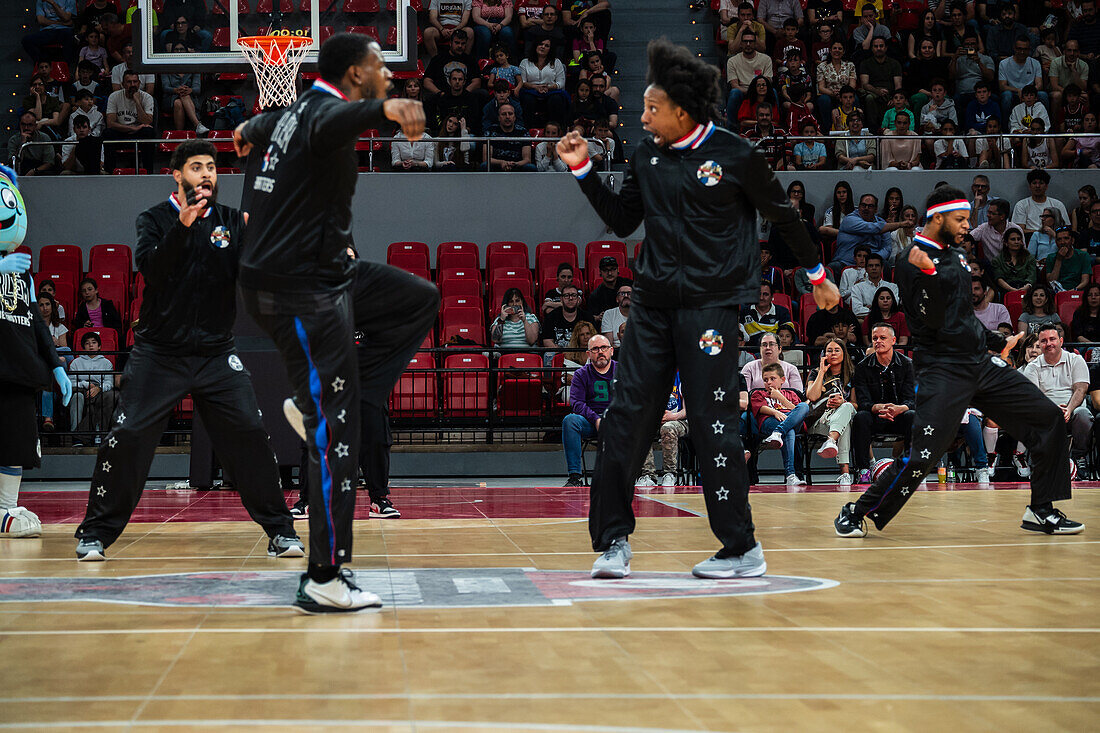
x=235 y=363
x=711 y=342
x=220 y=237
x=709 y=173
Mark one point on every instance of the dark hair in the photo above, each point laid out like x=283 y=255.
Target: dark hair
x=1083 y=309
x=189 y=149
x=80 y=120
x=791 y=330
x=790 y=23
x=839 y=210
x=886 y=324
x=533 y=56
x=939 y=81
x=689 y=82
x=893 y=298
x=847 y=90
x=340 y=52
x=89 y=280
x=1001 y=206
x=768 y=285
x=980 y=281
x=500 y=47
x=866 y=249
x=501 y=85
x=1037 y=174
x=983 y=85
x=776 y=367
x=54 y=317
x=901 y=197
x=87 y=66
x=130 y=72
x=904 y=114
x=1049 y=307
x=1029 y=89
x=942 y=195
x=875 y=256
x=90 y=335
x=1049 y=327
x=509 y=293
x=83 y=94
x=564 y=266
x=747 y=6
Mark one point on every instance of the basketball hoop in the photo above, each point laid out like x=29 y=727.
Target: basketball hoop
x=275 y=59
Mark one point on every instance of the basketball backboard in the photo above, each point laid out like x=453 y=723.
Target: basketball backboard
x=215 y=49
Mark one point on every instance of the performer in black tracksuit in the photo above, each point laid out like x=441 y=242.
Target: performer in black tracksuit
x=698 y=188
x=299 y=284
x=188 y=249
x=954 y=371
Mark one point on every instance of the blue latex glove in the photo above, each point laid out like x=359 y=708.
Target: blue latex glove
x=15 y=264
x=63 y=382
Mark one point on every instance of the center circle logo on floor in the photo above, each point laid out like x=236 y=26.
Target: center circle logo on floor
x=711 y=342
x=709 y=173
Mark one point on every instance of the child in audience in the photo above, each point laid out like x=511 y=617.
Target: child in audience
x=809 y=155
x=94 y=52
x=503 y=68
x=779 y=413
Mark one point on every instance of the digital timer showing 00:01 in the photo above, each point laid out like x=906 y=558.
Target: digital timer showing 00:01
x=301 y=33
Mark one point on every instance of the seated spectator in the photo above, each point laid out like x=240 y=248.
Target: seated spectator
x=1089 y=237
x=87 y=80
x=862 y=226
x=981 y=109
x=409 y=156
x=613 y=318
x=592 y=67
x=901 y=151
x=46 y=287
x=95 y=389
x=994 y=151
x=40 y=160
x=800 y=109
x=879 y=76
x=82 y=154
x=1071 y=113
x=491 y=22
x=546 y=152
x=794 y=73
x=738 y=18
x=129 y=117
x=742 y=69
x=1039 y=310
x=1028 y=211
x=780 y=413
x=989 y=313
x=849 y=276
x=769 y=139
x=867 y=30
x=515 y=326
x=885 y=391
x=607 y=149
x=598 y=11
x=1014 y=268
x=774 y=13
x=1086 y=319
x=85 y=104
x=901 y=238
x=852 y=150
x=543 y=91
x=588 y=42
x=1079 y=217
x=1037 y=151
x=1067 y=70
x=590 y=393
x=938 y=109
x=921 y=73
x=1042 y=243
x=559 y=323
x=892 y=204
x=55 y=20
x=96 y=312
x=1028 y=110
x=810 y=155
x=545 y=25
x=1083 y=150
x=822 y=325
x=507 y=156
x=449 y=154
x=576 y=356
x=1062 y=376
x=835 y=75
x=898 y=103
x=1067 y=268
x=1003 y=31
x=1018 y=71
x=796 y=192
x=605 y=295
x=769 y=273
x=968 y=67
x=764 y=317
x=845 y=110
x=787 y=41
x=885 y=309
x=827 y=16
x=181 y=95
x=181 y=33
x=760 y=91
x=865 y=291
x=585 y=109
x=504 y=70
x=553 y=300
x=674 y=426
x=438 y=75
x=47 y=308
x=194 y=12
x=769 y=354
x=927 y=30
x=843 y=204
x=146 y=82
x=829 y=393
x=788 y=345
x=445 y=21
x=45 y=108
x=950 y=151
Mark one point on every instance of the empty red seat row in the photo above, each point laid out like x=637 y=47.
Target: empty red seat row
x=70 y=258
x=465 y=387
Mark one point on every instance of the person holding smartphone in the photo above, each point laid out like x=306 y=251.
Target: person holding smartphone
x=516 y=325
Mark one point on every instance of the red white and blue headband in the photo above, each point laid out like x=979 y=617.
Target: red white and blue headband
x=946 y=206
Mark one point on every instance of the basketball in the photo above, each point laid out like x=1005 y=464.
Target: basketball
x=878 y=467
x=1072 y=470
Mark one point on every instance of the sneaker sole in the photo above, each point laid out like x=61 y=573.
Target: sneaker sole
x=610 y=574
x=723 y=575
x=91 y=557
x=316 y=609
x=853 y=533
x=299 y=516
x=1044 y=529
x=382 y=515
x=288 y=552
x=828 y=453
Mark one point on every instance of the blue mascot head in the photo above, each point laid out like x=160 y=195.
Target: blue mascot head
x=13 y=212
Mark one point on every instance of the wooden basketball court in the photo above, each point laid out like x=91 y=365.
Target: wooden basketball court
x=953 y=619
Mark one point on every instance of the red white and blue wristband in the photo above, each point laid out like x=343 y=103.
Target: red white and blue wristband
x=816 y=274
x=581 y=170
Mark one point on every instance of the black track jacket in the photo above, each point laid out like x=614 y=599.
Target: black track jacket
x=300 y=193
x=699 y=205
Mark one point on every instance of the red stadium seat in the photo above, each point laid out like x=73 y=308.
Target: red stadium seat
x=137 y=286
x=222 y=139
x=178 y=136
x=324 y=32
x=466 y=393
x=1014 y=301
x=218 y=8
x=471 y=333
x=510 y=251
x=783 y=300
x=1068 y=296
x=1066 y=309
x=417 y=5
x=593 y=276
x=519 y=393
x=419 y=248
x=115 y=287
x=443 y=274
x=469 y=287
x=407 y=261
x=266 y=6
x=462 y=301
x=446 y=247
x=369 y=31
x=554 y=253
x=64 y=285
x=61 y=258
x=418 y=73
x=457 y=259
x=129 y=172
x=503 y=279
x=108 y=338
x=221 y=37
x=185 y=410
x=110 y=257
x=391 y=36
x=416 y=392
x=361 y=6
x=135 y=311
x=130 y=340
x=595 y=251
x=807 y=306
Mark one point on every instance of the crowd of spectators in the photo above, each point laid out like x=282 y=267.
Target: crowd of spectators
x=942 y=78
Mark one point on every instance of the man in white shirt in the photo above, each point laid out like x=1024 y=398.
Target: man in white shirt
x=990 y=236
x=863 y=292
x=990 y=314
x=129 y=117
x=148 y=81
x=1063 y=377
x=1027 y=212
x=852 y=275
x=615 y=317
x=741 y=70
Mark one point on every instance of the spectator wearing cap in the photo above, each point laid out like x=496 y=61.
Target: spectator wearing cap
x=612 y=319
x=605 y=295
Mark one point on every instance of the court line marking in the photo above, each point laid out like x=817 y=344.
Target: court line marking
x=360 y=724
x=670 y=505
x=572 y=630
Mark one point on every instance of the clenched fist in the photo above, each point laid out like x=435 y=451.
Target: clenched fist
x=573 y=149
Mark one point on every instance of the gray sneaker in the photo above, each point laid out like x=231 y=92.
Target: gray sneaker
x=280 y=546
x=749 y=565
x=615 y=563
x=90 y=549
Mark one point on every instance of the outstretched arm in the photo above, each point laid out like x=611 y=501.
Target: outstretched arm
x=622 y=211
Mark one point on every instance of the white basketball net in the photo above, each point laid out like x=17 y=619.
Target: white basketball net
x=275 y=60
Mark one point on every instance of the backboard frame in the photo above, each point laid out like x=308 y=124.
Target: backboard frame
x=147 y=59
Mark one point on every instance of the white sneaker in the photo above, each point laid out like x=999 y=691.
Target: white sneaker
x=775 y=440
x=668 y=481
x=294 y=416
x=645 y=481
x=339 y=595
x=983 y=475
x=201 y=129
x=19 y=522
x=828 y=449
x=794 y=480
x=844 y=481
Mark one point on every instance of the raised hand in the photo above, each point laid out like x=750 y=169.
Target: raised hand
x=572 y=149
x=920 y=259
x=409 y=113
x=826 y=295
x=240 y=145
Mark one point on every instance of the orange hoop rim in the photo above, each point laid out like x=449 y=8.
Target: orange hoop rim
x=266 y=44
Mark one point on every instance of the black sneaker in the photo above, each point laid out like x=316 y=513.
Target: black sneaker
x=384 y=509
x=1050 y=521
x=574 y=480
x=848 y=523
x=300 y=510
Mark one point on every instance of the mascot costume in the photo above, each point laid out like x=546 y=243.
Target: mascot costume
x=27 y=361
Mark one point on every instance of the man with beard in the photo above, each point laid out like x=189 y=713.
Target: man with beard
x=955 y=371
x=698 y=188
x=188 y=249
x=558 y=323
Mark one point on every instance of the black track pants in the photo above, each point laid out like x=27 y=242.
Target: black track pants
x=1006 y=397
x=152 y=385
x=655 y=344
x=315 y=335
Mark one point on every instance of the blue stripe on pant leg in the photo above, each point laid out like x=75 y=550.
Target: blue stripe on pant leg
x=320 y=437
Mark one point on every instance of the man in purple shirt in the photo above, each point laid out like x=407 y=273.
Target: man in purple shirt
x=589 y=396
